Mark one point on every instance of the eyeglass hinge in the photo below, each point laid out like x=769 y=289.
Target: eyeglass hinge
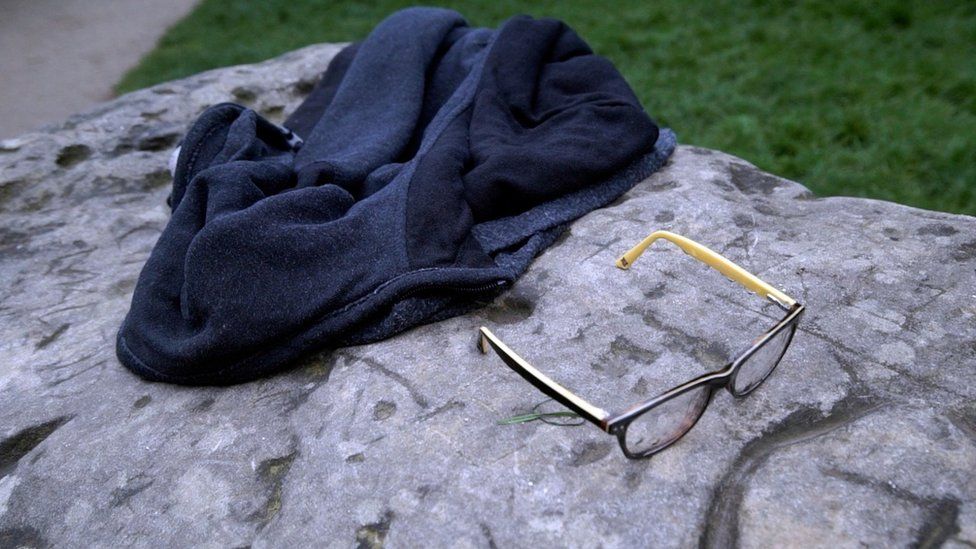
x=782 y=305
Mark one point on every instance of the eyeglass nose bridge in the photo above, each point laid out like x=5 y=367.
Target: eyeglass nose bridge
x=728 y=381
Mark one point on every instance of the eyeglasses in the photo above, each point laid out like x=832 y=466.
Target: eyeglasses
x=653 y=425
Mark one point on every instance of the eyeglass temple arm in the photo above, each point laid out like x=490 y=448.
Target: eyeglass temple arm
x=712 y=259
x=541 y=381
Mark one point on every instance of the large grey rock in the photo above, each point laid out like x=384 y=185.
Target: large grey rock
x=866 y=434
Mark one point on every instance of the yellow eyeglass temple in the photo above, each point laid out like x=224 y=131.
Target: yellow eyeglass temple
x=712 y=259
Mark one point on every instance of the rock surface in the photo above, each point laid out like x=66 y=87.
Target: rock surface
x=866 y=434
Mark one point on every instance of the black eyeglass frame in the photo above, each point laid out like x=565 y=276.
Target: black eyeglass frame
x=617 y=424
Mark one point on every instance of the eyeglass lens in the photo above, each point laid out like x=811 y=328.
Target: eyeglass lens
x=761 y=363
x=666 y=423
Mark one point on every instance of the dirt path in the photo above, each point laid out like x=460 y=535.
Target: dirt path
x=60 y=56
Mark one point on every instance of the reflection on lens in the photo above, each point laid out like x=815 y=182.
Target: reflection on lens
x=758 y=366
x=665 y=423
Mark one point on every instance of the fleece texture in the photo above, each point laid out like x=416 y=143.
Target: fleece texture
x=438 y=160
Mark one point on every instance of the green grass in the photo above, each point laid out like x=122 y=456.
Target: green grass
x=849 y=98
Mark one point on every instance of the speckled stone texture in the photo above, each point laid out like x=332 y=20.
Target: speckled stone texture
x=866 y=434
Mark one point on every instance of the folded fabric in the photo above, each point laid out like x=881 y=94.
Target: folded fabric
x=438 y=160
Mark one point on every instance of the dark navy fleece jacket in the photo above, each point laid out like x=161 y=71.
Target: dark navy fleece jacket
x=438 y=161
